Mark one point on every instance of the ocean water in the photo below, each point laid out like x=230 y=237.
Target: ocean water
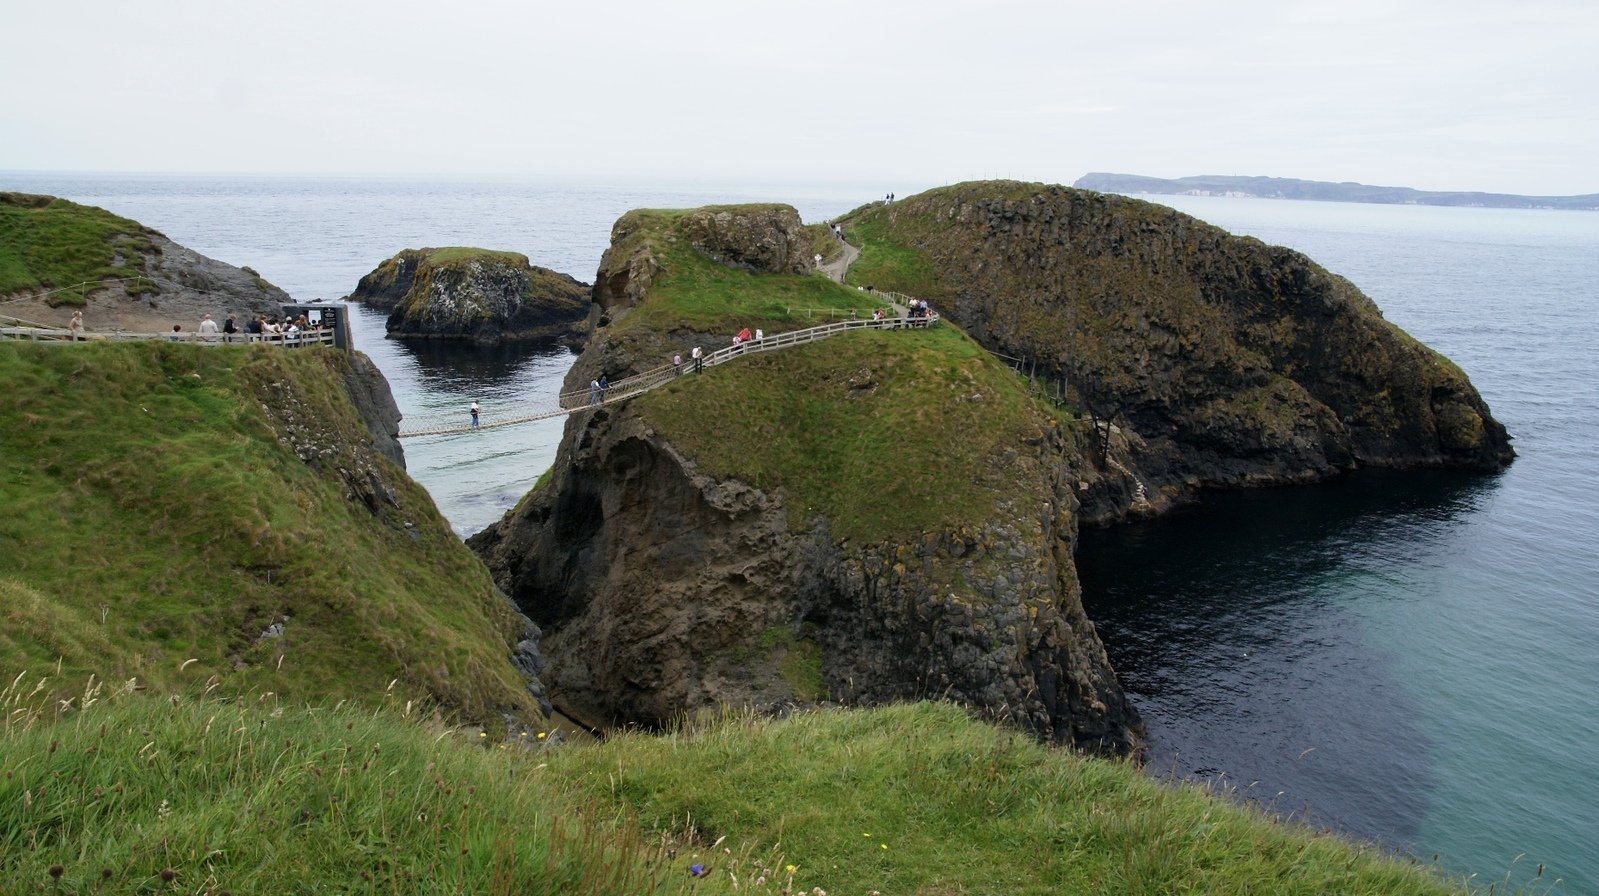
x=1412 y=659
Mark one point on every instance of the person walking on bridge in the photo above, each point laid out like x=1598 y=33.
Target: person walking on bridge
x=699 y=359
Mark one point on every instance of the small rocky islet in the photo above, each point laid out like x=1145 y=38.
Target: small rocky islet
x=481 y=295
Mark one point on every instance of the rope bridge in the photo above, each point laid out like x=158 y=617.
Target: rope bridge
x=621 y=390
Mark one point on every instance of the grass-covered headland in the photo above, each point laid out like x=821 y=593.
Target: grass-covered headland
x=173 y=511
x=66 y=249
x=114 y=791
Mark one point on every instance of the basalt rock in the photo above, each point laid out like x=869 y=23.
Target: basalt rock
x=1222 y=361
x=662 y=592
x=476 y=294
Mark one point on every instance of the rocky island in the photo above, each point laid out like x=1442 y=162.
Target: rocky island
x=480 y=295
x=805 y=526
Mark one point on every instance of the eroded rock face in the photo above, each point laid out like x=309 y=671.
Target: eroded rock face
x=662 y=591
x=763 y=238
x=1222 y=360
x=486 y=297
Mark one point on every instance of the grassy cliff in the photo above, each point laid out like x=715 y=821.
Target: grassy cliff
x=53 y=245
x=175 y=514
x=119 y=792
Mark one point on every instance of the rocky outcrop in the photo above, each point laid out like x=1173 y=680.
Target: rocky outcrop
x=769 y=239
x=664 y=591
x=369 y=391
x=138 y=280
x=476 y=294
x=1220 y=360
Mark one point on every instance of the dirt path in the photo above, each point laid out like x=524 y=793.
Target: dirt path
x=835 y=269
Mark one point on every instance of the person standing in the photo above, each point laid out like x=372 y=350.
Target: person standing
x=208 y=329
x=594 y=392
x=474 y=414
x=75 y=326
x=229 y=329
x=699 y=359
x=677 y=365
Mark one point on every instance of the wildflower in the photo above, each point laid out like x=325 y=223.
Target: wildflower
x=697 y=870
x=482 y=734
x=541 y=735
x=868 y=836
x=882 y=846
x=790 y=869
x=56 y=871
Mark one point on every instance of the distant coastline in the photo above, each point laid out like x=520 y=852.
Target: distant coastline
x=1322 y=191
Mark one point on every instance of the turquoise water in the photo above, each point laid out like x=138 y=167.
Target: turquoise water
x=1411 y=659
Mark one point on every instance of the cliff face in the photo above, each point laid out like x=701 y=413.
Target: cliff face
x=1221 y=360
x=662 y=590
x=191 y=513
x=487 y=297
x=669 y=576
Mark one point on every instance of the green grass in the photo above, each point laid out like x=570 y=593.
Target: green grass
x=113 y=791
x=696 y=293
x=918 y=799
x=885 y=263
x=856 y=429
x=52 y=244
x=152 y=517
x=449 y=255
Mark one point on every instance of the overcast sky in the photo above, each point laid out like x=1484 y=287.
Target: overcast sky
x=1500 y=96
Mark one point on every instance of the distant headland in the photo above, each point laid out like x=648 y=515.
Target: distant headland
x=1322 y=191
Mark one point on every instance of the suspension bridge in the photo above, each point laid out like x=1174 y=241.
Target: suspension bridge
x=588 y=399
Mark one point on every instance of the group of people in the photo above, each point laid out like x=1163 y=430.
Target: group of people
x=260 y=328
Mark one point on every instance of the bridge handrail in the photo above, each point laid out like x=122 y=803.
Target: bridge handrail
x=57 y=334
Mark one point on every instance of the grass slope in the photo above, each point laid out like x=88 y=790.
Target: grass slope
x=124 y=793
x=53 y=244
x=856 y=429
x=696 y=293
x=153 y=517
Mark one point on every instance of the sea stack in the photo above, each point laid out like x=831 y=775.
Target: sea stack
x=480 y=295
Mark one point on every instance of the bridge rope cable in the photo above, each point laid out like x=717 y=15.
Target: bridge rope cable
x=579 y=400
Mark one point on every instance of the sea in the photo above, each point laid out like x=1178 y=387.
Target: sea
x=1409 y=659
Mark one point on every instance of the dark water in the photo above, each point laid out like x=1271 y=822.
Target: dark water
x=1413 y=659
x=1408 y=658
x=1232 y=625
